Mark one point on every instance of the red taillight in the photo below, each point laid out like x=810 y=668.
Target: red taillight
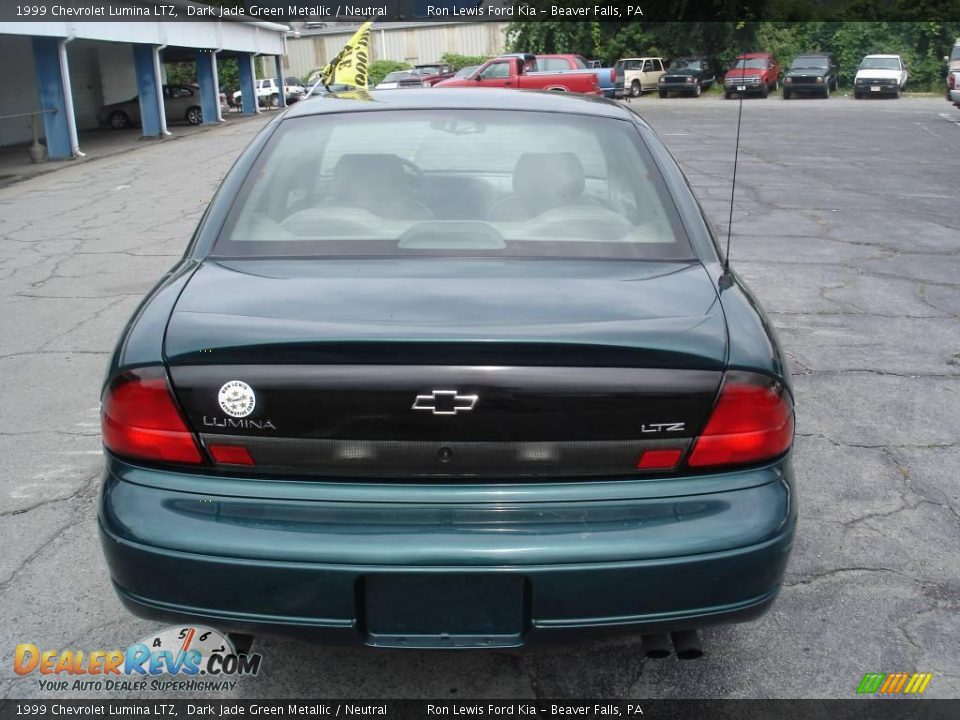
x=659 y=459
x=951 y=81
x=230 y=455
x=139 y=419
x=613 y=75
x=752 y=421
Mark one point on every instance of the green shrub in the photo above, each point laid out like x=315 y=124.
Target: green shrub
x=461 y=61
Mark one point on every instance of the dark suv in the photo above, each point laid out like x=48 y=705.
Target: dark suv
x=815 y=73
x=689 y=75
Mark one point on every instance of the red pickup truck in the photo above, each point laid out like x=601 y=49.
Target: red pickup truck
x=756 y=72
x=568 y=62
x=520 y=71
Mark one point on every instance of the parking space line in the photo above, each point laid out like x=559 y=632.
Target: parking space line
x=953 y=119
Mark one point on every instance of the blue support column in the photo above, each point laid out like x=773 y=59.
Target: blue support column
x=207 y=78
x=279 y=66
x=148 y=90
x=50 y=89
x=248 y=90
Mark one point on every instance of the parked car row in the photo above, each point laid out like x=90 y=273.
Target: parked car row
x=759 y=73
x=523 y=70
x=752 y=73
x=182 y=102
x=512 y=70
x=756 y=73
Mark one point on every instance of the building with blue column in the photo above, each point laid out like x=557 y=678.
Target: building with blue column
x=51 y=77
x=67 y=73
x=248 y=86
x=149 y=90
x=209 y=86
x=278 y=67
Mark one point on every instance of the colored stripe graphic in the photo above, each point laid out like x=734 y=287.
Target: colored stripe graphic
x=870 y=683
x=918 y=683
x=894 y=683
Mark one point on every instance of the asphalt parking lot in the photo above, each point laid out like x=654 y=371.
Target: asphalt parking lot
x=847 y=228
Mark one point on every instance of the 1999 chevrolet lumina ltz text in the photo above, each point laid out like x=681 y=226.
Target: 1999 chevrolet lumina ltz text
x=449 y=368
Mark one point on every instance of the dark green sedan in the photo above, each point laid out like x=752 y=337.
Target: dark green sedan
x=450 y=369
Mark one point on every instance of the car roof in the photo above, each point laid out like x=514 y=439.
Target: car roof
x=461 y=98
x=755 y=55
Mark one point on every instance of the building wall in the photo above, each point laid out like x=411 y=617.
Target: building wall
x=420 y=44
x=85 y=82
x=18 y=91
x=100 y=58
x=257 y=37
x=118 y=79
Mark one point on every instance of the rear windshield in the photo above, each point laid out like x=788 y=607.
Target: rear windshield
x=751 y=63
x=955 y=53
x=555 y=64
x=485 y=183
x=812 y=63
x=874 y=63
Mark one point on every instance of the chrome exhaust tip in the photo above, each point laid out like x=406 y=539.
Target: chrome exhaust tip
x=687 y=645
x=656 y=647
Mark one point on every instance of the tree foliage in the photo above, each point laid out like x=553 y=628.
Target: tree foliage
x=185 y=73
x=921 y=43
x=379 y=69
x=461 y=61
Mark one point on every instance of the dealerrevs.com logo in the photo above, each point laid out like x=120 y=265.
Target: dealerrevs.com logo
x=201 y=657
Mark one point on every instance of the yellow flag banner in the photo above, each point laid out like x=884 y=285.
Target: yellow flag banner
x=349 y=67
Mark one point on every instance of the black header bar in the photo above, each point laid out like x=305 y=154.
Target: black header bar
x=618 y=11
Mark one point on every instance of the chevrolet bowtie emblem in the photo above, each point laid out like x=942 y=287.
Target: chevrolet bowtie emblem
x=445 y=402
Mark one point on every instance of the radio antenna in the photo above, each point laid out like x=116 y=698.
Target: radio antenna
x=736 y=156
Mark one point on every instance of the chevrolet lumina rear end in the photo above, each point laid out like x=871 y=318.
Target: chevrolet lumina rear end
x=446 y=369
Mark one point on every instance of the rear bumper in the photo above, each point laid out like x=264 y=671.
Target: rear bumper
x=295 y=558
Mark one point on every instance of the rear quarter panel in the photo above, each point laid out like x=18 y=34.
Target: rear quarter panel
x=752 y=340
x=573 y=82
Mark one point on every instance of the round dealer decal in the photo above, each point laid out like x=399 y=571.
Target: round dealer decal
x=237 y=398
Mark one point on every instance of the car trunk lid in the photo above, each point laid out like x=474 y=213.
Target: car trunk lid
x=448 y=366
